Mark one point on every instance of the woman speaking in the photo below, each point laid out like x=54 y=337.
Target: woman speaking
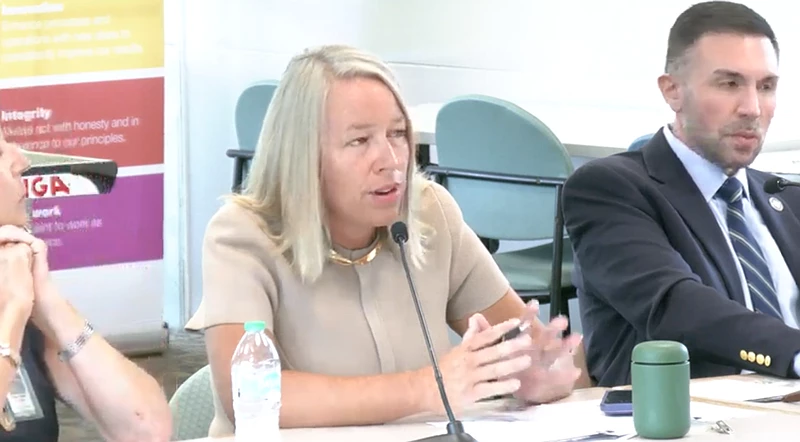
x=305 y=248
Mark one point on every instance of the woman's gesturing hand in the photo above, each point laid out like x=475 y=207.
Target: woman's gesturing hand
x=552 y=374
x=479 y=367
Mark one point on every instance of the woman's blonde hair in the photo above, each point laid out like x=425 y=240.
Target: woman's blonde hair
x=283 y=184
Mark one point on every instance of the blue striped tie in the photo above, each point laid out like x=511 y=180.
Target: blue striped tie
x=756 y=270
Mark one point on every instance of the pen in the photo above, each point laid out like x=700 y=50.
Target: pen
x=787 y=398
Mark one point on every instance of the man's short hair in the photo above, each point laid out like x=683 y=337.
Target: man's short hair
x=713 y=17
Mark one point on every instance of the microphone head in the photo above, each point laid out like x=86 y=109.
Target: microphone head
x=399 y=232
x=774 y=185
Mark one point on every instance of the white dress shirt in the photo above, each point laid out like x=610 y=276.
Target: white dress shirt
x=709 y=178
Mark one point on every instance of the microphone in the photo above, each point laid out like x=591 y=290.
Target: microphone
x=778 y=184
x=455 y=429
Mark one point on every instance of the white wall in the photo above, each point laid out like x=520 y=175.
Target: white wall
x=599 y=54
x=175 y=209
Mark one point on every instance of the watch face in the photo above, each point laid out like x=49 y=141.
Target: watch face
x=5 y=351
x=7 y=420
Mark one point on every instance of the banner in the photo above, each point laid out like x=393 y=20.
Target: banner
x=86 y=78
x=80 y=36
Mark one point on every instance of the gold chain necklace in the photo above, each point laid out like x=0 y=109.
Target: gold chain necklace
x=339 y=259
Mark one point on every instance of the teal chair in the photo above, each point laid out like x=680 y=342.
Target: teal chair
x=506 y=170
x=640 y=142
x=251 y=108
x=192 y=407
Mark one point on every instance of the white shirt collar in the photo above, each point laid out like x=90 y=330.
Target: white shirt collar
x=706 y=175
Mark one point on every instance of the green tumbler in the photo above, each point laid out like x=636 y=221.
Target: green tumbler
x=660 y=383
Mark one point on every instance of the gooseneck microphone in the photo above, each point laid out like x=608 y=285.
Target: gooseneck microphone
x=778 y=184
x=455 y=429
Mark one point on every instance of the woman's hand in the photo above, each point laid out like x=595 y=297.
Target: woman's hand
x=40 y=269
x=552 y=374
x=16 y=289
x=476 y=369
x=42 y=290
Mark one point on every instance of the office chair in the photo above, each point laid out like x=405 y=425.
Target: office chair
x=506 y=170
x=251 y=108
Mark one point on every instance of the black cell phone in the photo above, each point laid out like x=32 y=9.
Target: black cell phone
x=516 y=331
x=617 y=403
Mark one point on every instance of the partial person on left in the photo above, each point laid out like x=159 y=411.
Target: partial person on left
x=48 y=351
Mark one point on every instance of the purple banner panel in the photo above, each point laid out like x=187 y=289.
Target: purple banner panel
x=126 y=225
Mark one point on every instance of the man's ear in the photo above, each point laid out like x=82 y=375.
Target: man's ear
x=671 y=91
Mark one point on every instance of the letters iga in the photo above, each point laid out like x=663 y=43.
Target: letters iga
x=57 y=185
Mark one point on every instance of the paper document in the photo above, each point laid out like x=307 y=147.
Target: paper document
x=545 y=423
x=742 y=390
x=557 y=422
x=710 y=413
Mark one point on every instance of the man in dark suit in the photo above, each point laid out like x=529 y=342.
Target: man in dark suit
x=679 y=241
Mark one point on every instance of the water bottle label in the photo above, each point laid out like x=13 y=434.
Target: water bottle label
x=258 y=385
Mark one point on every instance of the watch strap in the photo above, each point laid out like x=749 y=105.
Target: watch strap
x=9 y=353
x=7 y=420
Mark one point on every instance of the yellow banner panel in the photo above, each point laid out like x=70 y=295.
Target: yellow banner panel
x=79 y=36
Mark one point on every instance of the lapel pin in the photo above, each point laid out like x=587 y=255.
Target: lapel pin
x=776 y=204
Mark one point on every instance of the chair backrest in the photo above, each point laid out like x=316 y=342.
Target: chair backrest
x=640 y=142
x=192 y=406
x=251 y=108
x=487 y=134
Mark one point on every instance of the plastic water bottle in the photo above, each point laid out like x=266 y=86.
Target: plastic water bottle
x=256 y=384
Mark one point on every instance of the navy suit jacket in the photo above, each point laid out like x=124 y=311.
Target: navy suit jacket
x=652 y=263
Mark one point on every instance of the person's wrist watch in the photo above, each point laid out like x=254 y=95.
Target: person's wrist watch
x=7 y=421
x=9 y=353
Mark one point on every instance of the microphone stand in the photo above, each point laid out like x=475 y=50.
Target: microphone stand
x=455 y=429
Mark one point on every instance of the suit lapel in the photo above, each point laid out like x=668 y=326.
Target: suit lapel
x=783 y=225
x=678 y=187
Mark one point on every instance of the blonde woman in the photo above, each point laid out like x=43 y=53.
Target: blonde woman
x=48 y=351
x=305 y=248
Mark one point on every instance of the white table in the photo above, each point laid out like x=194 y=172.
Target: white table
x=596 y=132
x=774 y=427
x=773 y=422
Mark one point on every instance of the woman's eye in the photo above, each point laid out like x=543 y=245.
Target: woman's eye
x=358 y=141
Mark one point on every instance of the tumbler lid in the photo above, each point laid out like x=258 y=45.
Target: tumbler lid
x=660 y=353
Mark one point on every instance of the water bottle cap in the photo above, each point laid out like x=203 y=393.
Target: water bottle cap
x=254 y=326
x=659 y=352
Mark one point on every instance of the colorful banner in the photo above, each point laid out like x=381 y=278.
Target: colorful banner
x=86 y=78
x=118 y=233
x=121 y=120
x=79 y=36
